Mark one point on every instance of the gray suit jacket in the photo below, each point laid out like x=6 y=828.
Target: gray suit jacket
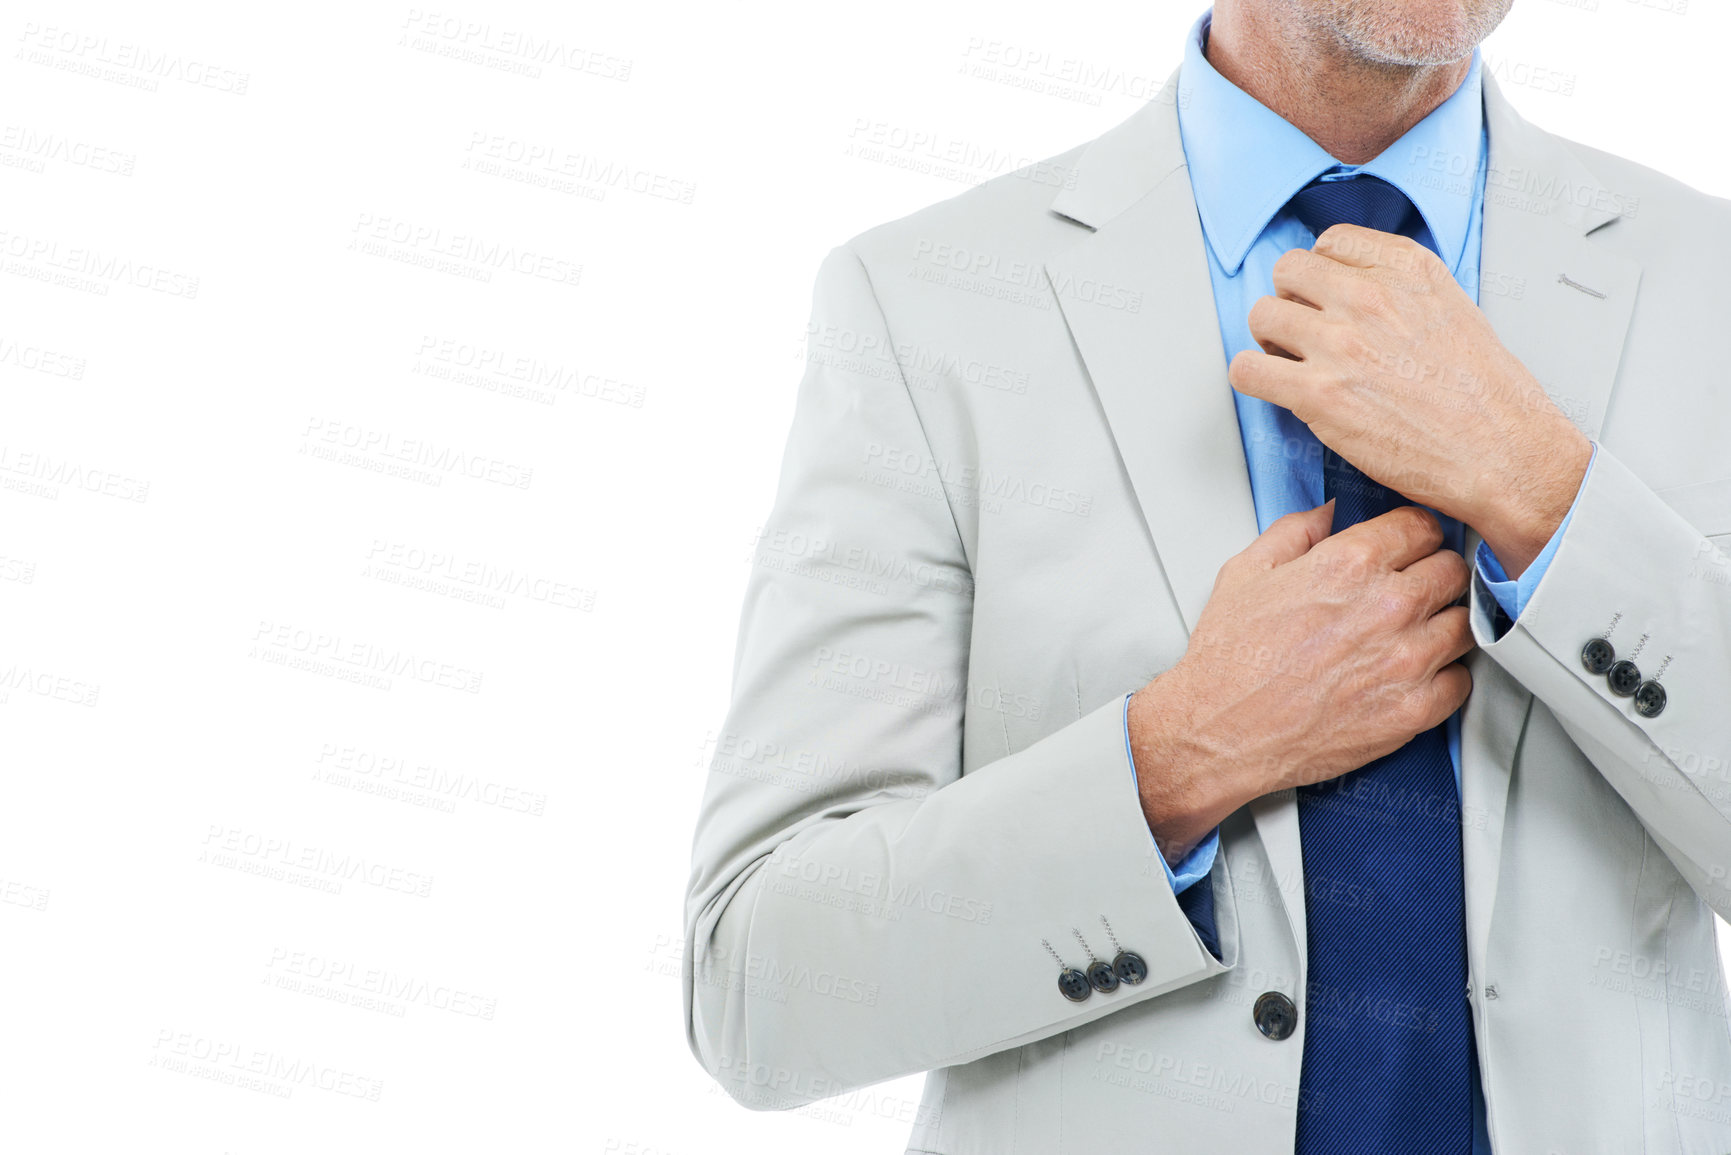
x=1013 y=472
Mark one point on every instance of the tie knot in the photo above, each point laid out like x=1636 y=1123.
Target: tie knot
x=1357 y=200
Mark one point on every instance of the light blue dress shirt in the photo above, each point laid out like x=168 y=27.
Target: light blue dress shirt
x=1245 y=164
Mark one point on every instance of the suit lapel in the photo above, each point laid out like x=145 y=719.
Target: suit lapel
x=1561 y=303
x=1137 y=297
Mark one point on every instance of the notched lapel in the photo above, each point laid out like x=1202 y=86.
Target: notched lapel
x=1137 y=297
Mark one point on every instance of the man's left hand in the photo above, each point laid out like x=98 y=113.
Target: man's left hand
x=1370 y=341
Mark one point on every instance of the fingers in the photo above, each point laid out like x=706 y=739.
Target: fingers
x=1303 y=276
x=1396 y=539
x=1282 y=327
x=1291 y=537
x=1274 y=379
x=1362 y=247
x=1448 y=636
x=1449 y=691
x=1442 y=577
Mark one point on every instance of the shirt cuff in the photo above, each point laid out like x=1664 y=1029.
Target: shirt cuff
x=1195 y=865
x=1513 y=594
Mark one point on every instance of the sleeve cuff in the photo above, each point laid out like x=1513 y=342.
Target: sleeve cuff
x=1512 y=594
x=1195 y=865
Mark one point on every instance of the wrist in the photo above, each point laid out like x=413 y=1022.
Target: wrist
x=1532 y=504
x=1183 y=797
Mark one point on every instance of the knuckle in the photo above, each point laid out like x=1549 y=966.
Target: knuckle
x=1406 y=660
x=1460 y=574
x=1353 y=350
x=1413 y=706
x=1400 y=602
x=1463 y=634
x=1359 y=553
x=1421 y=525
x=1333 y=239
x=1416 y=708
x=1369 y=297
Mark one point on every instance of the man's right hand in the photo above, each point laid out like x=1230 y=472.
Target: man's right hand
x=1316 y=654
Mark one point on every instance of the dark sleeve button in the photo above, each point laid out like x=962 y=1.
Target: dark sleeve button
x=1624 y=676
x=1102 y=977
x=1130 y=968
x=1649 y=699
x=1597 y=655
x=1275 y=1015
x=1074 y=984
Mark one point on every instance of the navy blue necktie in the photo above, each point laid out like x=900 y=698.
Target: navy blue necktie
x=1388 y=1048
x=1378 y=205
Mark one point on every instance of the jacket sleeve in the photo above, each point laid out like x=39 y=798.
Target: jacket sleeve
x=1632 y=569
x=857 y=909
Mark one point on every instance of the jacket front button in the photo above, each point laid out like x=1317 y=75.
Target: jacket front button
x=1275 y=1015
x=1074 y=984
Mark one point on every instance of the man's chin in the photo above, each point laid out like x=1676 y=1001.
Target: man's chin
x=1414 y=52
x=1439 y=32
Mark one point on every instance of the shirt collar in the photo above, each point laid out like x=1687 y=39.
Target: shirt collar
x=1246 y=161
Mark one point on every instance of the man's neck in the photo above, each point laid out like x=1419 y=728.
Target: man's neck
x=1354 y=108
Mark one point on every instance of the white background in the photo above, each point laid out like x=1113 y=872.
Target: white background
x=223 y=329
